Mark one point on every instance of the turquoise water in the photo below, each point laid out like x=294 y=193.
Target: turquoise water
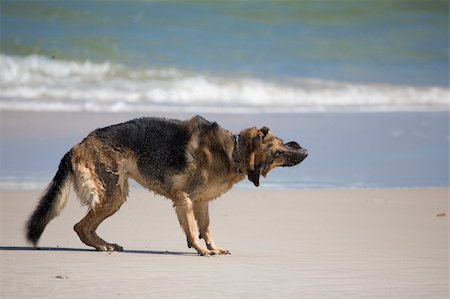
x=385 y=41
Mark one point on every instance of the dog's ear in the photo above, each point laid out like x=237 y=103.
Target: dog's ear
x=253 y=176
x=264 y=131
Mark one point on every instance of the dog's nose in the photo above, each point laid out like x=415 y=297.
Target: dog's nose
x=304 y=152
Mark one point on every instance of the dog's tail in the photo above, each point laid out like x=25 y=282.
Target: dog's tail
x=52 y=202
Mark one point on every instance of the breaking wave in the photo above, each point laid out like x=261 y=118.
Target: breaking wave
x=44 y=84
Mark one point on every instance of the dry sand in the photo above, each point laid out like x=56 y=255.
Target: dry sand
x=291 y=244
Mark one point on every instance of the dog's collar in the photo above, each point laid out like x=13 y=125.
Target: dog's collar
x=237 y=154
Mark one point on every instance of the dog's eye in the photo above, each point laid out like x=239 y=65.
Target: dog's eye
x=277 y=154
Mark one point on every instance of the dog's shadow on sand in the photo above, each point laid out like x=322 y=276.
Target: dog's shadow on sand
x=66 y=249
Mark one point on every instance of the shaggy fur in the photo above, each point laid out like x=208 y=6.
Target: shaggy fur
x=190 y=162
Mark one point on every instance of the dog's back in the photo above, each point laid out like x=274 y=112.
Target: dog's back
x=159 y=144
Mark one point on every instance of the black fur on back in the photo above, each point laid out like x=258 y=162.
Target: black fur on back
x=159 y=144
x=44 y=211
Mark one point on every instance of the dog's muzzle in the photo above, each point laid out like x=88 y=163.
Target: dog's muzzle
x=294 y=153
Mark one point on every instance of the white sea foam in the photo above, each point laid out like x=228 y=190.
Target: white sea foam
x=40 y=83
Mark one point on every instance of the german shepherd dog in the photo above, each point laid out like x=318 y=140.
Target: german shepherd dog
x=190 y=162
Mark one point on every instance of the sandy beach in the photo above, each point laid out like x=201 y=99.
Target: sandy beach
x=385 y=243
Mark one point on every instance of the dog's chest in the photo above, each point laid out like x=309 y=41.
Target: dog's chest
x=215 y=186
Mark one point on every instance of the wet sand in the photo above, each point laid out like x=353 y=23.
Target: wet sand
x=346 y=150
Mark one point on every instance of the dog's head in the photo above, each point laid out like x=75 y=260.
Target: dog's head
x=265 y=151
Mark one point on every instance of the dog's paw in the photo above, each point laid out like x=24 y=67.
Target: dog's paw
x=220 y=251
x=117 y=247
x=109 y=247
x=214 y=252
x=217 y=250
x=205 y=252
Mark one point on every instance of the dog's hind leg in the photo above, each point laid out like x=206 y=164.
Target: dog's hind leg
x=88 y=225
x=111 y=193
x=201 y=212
x=86 y=228
x=185 y=213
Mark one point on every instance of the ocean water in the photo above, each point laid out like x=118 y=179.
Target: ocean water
x=363 y=84
x=224 y=56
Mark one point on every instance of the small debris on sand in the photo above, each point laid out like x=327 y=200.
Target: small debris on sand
x=441 y=215
x=61 y=276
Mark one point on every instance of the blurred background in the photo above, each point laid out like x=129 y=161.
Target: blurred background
x=238 y=56
x=362 y=84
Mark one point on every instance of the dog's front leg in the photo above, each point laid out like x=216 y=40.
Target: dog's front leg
x=201 y=212
x=185 y=213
